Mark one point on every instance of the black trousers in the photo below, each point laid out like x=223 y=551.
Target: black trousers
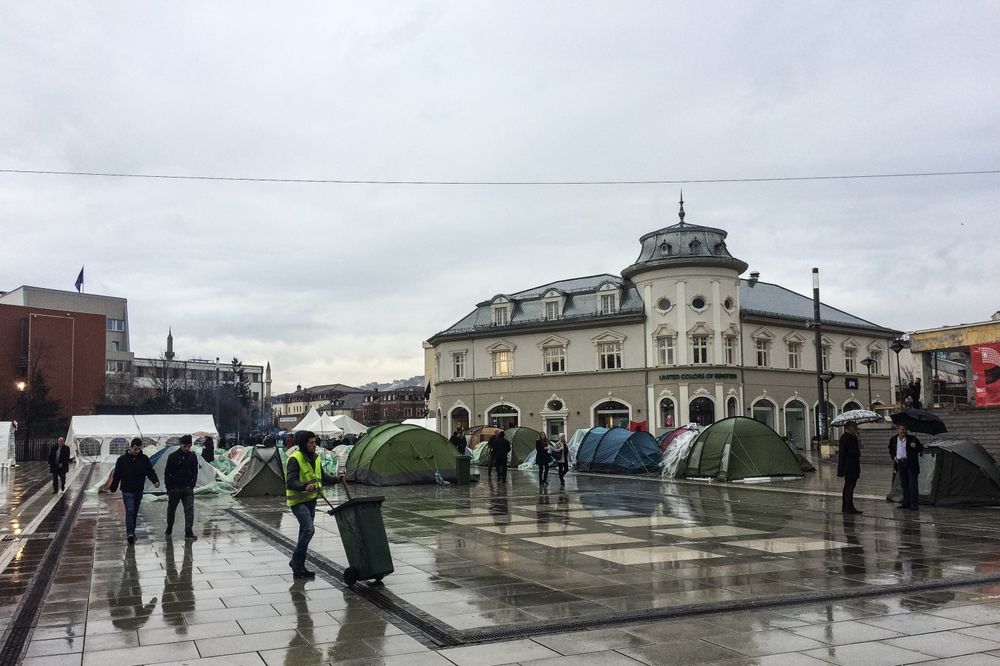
x=184 y=496
x=543 y=473
x=847 y=501
x=501 y=465
x=58 y=480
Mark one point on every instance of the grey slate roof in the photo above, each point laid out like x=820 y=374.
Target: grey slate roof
x=528 y=306
x=771 y=300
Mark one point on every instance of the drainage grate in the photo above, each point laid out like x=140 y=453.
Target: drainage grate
x=444 y=636
x=15 y=638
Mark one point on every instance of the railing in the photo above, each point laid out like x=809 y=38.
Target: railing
x=36 y=449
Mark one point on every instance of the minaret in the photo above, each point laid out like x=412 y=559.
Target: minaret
x=169 y=355
x=267 y=382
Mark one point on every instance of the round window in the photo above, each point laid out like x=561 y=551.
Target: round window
x=555 y=405
x=664 y=304
x=728 y=304
x=698 y=302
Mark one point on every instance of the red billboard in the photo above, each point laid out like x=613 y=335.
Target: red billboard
x=986 y=374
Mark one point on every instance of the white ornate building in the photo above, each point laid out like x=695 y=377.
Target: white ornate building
x=679 y=336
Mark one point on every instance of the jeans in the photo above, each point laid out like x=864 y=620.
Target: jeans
x=563 y=468
x=305 y=513
x=184 y=496
x=131 y=501
x=908 y=481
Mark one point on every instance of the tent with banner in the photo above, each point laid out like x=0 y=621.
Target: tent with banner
x=522 y=442
x=6 y=441
x=263 y=476
x=102 y=438
x=396 y=454
x=739 y=448
x=618 y=451
x=956 y=472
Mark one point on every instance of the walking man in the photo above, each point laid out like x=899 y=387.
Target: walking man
x=131 y=471
x=905 y=450
x=458 y=441
x=180 y=475
x=59 y=464
x=500 y=451
x=304 y=479
x=849 y=466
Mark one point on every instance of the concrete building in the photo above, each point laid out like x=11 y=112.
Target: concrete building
x=679 y=336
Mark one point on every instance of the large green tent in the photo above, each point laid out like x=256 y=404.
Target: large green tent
x=522 y=442
x=395 y=454
x=955 y=473
x=739 y=448
x=263 y=476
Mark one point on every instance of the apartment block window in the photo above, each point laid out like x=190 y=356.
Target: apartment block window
x=552 y=310
x=115 y=366
x=610 y=355
x=114 y=345
x=850 y=359
x=729 y=347
x=501 y=316
x=763 y=353
x=554 y=359
x=609 y=303
x=665 y=350
x=795 y=355
x=699 y=349
x=458 y=365
x=826 y=357
x=503 y=363
x=117 y=325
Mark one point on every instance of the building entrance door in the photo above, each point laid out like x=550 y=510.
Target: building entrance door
x=555 y=427
x=703 y=411
x=795 y=425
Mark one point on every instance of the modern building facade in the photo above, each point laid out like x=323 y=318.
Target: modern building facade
x=679 y=336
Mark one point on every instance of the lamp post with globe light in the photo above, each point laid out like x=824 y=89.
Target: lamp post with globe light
x=868 y=363
x=897 y=346
x=824 y=426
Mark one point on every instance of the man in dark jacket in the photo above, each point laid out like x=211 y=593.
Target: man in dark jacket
x=59 y=464
x=905 y=450
x=208 y=449
x=304 y=481
x=458 y=441
x=849 y=465
x=500 y=450
x=181 y=474
x=131 y=471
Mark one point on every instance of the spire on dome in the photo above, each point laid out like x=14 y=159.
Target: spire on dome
x=680 y=213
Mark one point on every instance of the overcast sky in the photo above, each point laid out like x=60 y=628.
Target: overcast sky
x=342 y=283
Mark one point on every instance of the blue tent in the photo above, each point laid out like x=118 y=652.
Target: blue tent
x=618 y=451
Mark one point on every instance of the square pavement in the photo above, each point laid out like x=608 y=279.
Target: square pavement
x=498 y=557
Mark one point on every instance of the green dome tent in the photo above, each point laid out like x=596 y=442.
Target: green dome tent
x=522 y=442
x=262 y=476
x=396 y=454
x=955 y=473
x=739 y=448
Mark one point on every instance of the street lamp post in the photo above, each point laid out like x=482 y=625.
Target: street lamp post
x=897 y=346
x=868 y=363
x=824 y=425
x=22 y=387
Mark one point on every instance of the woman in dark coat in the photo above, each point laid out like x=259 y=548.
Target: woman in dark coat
x=542 y=459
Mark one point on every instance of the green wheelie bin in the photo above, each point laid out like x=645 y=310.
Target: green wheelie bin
x=463 y=470
x=362 y=530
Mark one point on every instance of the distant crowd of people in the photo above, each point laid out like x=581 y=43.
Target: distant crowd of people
x=498 y=455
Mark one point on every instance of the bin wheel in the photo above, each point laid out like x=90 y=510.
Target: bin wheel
x=350 y=576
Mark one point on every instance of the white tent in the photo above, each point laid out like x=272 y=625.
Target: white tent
x=6 y=441
x=429 y=424
x=105 y=437
x=349 y=425
x=307 y=420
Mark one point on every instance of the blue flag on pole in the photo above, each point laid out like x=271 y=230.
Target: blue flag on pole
x=79 y=281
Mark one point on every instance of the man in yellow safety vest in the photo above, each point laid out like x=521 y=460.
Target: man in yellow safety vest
x=304 y=480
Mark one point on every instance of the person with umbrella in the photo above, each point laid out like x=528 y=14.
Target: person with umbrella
x=905 y=450
x=849 y=466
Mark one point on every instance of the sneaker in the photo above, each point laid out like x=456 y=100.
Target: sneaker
x=190 y=537
x=131 y=538
x=302 y=573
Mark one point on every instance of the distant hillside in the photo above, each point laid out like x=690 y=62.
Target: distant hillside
x=417 y=381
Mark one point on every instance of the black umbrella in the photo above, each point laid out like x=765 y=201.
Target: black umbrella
x=919 y=420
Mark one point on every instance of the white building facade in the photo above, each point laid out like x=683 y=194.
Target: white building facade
x=679 y=336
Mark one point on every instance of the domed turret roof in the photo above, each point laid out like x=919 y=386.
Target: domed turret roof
x=684 y=244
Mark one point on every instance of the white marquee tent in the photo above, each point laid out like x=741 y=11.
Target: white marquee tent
x=6 y=441
x=428 y=423
x=311 y=415
x=349 y=425
x=105 y=437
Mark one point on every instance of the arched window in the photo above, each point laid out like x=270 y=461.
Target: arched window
x=703 y=411
x=503 y=416
x=459 y=418
x=763 y=411
x=732 y=407
x=796 y=427
x=848 y=406
x=668 y=413
x=611 y=414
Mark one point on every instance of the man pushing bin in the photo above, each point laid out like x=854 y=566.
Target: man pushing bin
x=304 y=481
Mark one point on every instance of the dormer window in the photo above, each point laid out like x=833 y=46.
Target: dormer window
x=607 y=299
x=554 y=302
x=501 y=316
x=666 y=249
x=695 y=246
